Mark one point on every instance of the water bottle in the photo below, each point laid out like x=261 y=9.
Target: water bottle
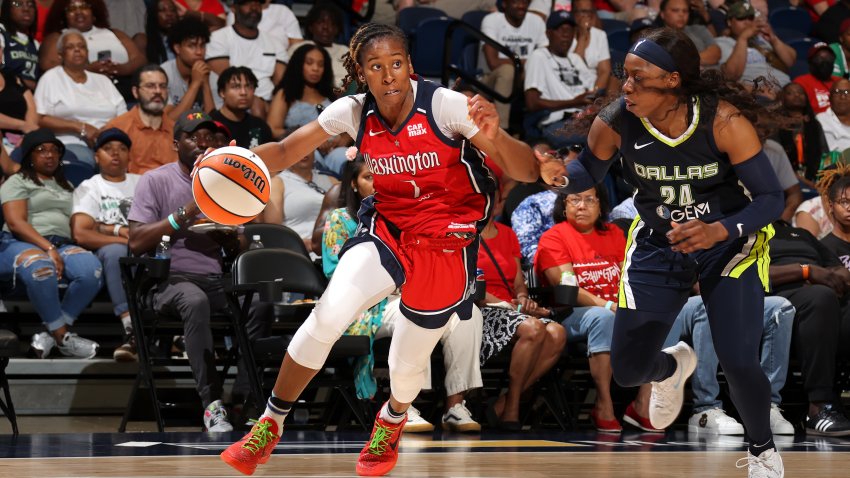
x=255 y=243
x=163 y=250
x=568 y=278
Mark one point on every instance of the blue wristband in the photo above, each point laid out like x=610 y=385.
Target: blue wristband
x=173 y=222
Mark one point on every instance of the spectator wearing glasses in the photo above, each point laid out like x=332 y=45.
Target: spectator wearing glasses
x=752 y=50
x=20 y=52
x=73 y=102
x=36 y=249
x=150 y=129
x=584 y=243
x=305 y=90
x=836 y=119
x=296 y=198
x=110 y=51
x=236 y=87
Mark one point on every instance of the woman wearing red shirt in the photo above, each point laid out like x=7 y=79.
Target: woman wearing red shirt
x=581 y=242
x=510 y=316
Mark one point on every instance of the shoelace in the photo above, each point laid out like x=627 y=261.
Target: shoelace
x=378 y=445
x=260 y=437
x=749 y=460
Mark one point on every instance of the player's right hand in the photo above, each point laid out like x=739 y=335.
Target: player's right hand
x=204 y=155
x=552 y=170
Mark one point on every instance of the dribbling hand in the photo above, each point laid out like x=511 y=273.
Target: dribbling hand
x=204 y=155
x=695 y=236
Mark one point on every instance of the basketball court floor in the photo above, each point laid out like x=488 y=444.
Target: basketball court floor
x=491 y=455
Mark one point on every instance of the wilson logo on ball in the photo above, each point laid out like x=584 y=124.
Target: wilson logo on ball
x=231 y=185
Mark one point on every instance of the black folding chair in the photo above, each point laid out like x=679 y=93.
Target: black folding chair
x=9 y=347
x=277 y=236
x=268 y=273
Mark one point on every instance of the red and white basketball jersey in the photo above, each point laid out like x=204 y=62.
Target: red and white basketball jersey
x=425 y=181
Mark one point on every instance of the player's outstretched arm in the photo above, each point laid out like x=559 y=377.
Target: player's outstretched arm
x=514 y=157
x=282 y=154
x=590 y=167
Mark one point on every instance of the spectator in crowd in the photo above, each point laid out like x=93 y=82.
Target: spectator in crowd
x=75 y=103
x=675 y=14
x=708 y=416
x=591 y=43
x=305 y=90
x=460 y=347
x=835 y=121
x=812 y=215
x=841 y=48
x=558 y=82
x=752 y=50
x=531 y=219
x=452 y=8
x=99 y=223
x=278 y=20
x=159 y=20
x=243 y=44
x=111 y=52
x=814 y=280
x=36 y=248
x=20 y=52
x=819 y=79
x=800 y=135
x=296 y=196
x=582 y=243
x=838 y=241
x=191 y=83
x=236 y=87
x=519 y=32
x=788 y=181
x=222 y=135
x=210 y=12
x=127 y=16
x=511 y=317
x=816 y=8
x=828 y=26
x=639 y=28
x=322 y=26
x=17 y=106
x=163 y=205
x=521 y=191
x=147 y=125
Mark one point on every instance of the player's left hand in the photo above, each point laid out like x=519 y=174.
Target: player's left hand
x=695 y=236
x=204 y=155
x=483 y=113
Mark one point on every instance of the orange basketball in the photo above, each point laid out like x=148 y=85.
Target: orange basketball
x=231 y=185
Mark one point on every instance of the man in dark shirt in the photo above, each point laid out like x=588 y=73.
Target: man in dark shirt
x=236 y=86
x=813 y=279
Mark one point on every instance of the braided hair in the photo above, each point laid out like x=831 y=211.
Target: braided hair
x=367 y=34
x=833 y=181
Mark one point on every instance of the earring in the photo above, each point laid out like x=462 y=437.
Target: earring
x=362 y=79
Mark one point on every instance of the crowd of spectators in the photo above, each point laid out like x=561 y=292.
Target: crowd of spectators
x=134 y=91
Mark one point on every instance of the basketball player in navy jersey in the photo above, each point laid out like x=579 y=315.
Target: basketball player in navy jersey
x=706 y=195
x=433 y=195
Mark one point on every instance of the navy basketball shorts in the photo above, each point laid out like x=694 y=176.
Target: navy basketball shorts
x=656 y=279
x=436 y=275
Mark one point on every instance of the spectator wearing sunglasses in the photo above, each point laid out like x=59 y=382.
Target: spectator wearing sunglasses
x=835 y=121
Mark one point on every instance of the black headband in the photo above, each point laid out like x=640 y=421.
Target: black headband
x=654 y=53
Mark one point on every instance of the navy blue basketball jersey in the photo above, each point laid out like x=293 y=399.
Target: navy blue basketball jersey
x=677 y=179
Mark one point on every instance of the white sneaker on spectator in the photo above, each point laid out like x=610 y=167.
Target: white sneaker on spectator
x=459 y=419
x=714 y=420
x=665 y=403
x=767 y=465
x=778 y=424
x=75 y=346
x=415 y=422
x=42 y=343
x=215 y=418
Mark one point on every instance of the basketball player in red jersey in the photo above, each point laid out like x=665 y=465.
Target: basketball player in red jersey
x=433 y=193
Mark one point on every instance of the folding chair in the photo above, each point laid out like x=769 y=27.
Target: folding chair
x=277 y=236
x=9 y=347
x=268 y=273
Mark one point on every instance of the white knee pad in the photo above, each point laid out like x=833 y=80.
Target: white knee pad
x=410 y=355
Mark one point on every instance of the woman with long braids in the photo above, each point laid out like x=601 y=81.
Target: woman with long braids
x=419 y=232
x=706 y=196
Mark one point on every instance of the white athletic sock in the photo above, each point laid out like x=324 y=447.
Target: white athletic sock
x=391 y=416
x=277 y=410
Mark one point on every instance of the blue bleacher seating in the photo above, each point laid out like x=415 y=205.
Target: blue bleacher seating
x=475 y=17
x=802 y=46
x=791 y=18
x=787 y=34
x=801 y=67
x=611 y=25
x=619 y=40
x=76 y=172
x=410 y=18
x=427 y=56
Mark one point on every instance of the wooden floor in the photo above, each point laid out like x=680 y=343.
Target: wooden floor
x=514 y=464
